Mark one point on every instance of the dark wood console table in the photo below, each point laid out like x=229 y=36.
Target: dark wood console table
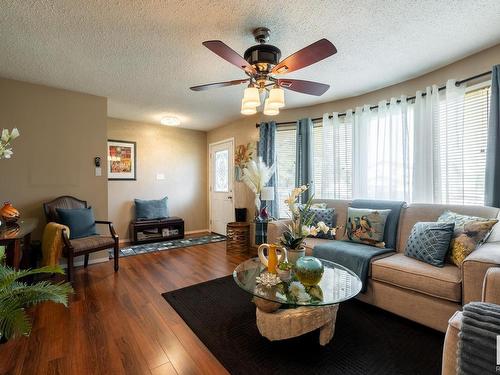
x=170 y=228
x=17 y=238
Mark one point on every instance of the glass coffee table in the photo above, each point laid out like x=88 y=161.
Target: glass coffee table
x=281 y=315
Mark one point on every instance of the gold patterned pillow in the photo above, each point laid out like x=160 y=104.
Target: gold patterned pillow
x=470 y=232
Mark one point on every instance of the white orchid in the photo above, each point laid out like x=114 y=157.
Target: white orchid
x=322 y=227
x=296 y=287
x=256 y=175
x=5 y=139
x=303 y=297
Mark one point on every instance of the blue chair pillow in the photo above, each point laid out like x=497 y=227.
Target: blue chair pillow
x=151 y=209
x=81 y=221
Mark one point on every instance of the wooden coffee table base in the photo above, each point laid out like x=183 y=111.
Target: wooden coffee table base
x=287 y=323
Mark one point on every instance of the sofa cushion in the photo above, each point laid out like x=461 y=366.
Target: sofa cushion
x=327 y=216
x=366 y=226
x=429 y=242
x=353 y=255
x=470 y=232
x=412 y=274
x=392 y=222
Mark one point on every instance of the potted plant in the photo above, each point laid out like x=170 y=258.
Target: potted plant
x=284 y=270
x=6 y=139
x=16 y=295
x=300 y=226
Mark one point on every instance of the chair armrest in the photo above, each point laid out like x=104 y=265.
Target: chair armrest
x=491 y=287
x=65 y=239
x=275 y=229
x=474 y=269
x=111 y=228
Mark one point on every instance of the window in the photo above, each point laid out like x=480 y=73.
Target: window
x=285 y=151
x=221 y=171
x=461 y=144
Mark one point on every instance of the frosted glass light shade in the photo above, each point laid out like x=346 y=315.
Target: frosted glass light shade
x=251 y=97
x=247 y=109
x=277 y=97
x=267 y=193
x=270 y=110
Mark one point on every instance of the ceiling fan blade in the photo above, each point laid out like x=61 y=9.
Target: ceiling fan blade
x=305 y=87
x=309 y=55
x=219 y=84
x=228 y=54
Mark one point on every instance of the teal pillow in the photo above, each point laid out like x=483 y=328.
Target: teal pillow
x=151 y=209
x=366 y=226
x=81 y=221
x=429 y=242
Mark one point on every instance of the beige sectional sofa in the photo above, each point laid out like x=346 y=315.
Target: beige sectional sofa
x=413 y=289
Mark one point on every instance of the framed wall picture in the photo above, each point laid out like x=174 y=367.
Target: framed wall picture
x=121 y=160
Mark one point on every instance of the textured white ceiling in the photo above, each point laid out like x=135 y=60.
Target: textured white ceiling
x=143 y=55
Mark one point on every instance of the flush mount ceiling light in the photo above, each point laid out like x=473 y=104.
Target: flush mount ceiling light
x=261 y=63
x=170 y=121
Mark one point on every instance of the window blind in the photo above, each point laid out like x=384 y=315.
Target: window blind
x=461 y=145
x=285 y=151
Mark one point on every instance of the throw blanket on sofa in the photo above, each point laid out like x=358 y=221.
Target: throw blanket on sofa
x=353 y=255
x=478 y=339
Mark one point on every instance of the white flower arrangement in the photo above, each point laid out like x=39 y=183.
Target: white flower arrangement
x=298 y=292
x=5 y=142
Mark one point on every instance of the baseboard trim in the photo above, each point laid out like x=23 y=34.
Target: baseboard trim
x=197 y=231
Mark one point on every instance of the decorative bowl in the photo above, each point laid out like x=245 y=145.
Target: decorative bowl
x=309 y=270
x=8 y=213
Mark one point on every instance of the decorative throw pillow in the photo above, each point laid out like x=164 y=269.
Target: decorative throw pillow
x=327 y=216
x=470 y=232
x=151 y=209
x=429 y=242
x=318 y=205
x=366 y=226
x=80 y=221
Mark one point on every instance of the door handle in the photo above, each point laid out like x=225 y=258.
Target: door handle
x=229 y=197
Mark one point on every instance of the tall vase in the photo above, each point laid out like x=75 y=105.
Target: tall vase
x=294 y=254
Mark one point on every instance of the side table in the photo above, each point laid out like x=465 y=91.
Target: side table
x=238 y=238
x=17 y=238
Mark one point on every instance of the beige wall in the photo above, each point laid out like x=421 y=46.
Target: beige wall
x=179 y=154
x=61 y=133
x=244 y=130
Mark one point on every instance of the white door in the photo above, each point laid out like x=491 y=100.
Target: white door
x=221 y=185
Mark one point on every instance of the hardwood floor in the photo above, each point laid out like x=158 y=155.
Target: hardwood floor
x=118 y=323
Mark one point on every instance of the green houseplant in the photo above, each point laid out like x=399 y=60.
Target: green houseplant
x=16 y=295
x=300 y=226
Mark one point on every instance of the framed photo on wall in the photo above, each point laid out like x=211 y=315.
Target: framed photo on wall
x=121 y=162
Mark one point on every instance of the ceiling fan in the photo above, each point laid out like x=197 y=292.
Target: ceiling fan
x=262 y=64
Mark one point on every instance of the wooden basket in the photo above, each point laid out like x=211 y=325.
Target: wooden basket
x=238 y=238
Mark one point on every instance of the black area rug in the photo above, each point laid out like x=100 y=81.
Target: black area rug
x=367 y=340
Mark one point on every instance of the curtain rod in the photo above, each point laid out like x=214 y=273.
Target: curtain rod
x=458 y=83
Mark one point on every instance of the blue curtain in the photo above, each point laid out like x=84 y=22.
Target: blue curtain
x=267 y=151
x=304 y=159
x=492 y=183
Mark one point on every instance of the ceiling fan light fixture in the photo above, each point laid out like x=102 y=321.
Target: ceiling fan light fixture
x=247 y=109
x=251 y=97
x=277 y=97
x=269 y=109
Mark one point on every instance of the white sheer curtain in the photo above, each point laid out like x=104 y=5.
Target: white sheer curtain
x=425 y=181
x=337 y=156
x=380 y=151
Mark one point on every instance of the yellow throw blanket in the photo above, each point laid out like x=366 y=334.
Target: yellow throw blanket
x=52 y=243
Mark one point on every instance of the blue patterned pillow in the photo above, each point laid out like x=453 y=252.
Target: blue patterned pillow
x=326 y=215
x=429 y=242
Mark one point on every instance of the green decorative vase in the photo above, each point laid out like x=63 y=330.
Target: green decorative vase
x=309 y=270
